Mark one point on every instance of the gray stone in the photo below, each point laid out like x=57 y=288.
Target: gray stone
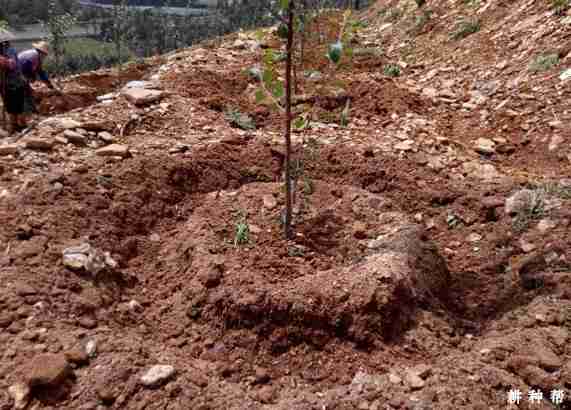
x=565 y=75
x=75 y=137
x=9 y=149
x=86 y=257
x=519 y=202
x=157 y=375
x=107 y=137
x=485 y=146
x=413 y=380
x=114 y=150
x=62 y=123
x=140 y=96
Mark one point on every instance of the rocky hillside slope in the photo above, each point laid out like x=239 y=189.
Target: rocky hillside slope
x=430 y=268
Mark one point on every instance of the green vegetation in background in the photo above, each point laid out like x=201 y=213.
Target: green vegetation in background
x=85 y=55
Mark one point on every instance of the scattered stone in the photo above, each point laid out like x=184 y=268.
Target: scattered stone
x=138 y=84
x=556 y=141
x=519 y=202
x=135 y=306
x=269 y=201
x=106 y=137
x=91 y=348
x=87 y=258
x=157 y=375
x=525 y=246
x=9 y=149
x=75 y=137
x=48 y=370
x=63 y=123
x=405 y=145
x=39 y=143
x=61 y=140
x=20 y=393
x=413 y=380
x=474 y=237
x=486 y=172
x=546 y=225
x=98 y=125
x=77 y=356
x=565 y=75
x=485 y=146
x=141 y=96
x=422 y=370
x=106 y=97
x=4 y=133
x=394 y=379
x=261 y=376
x=114 y=150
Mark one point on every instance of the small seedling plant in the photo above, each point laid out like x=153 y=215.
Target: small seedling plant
x=279 y=92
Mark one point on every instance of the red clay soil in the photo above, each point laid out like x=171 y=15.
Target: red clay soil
x=240 y=322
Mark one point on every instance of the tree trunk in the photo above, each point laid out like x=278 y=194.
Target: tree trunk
x=287 y=222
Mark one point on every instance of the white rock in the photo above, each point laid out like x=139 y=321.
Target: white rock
x=565 y=75
x=394 y=379
x=135 y=306
x=157 y=375
x=62 y=123
x=485 y=146
x=140 y=96
x=106 y=97
x=20 y=393
x=91 y=348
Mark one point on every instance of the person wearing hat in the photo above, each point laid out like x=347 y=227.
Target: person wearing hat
x=30 y=66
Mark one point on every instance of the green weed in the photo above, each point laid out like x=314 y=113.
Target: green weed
x=544 y=62
x=392 y=70
x=465 y=28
